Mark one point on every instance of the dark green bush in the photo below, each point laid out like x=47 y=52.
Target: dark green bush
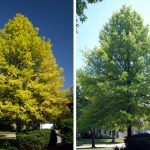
x=8 y=143
x=104 y=136
x=138 y=142
x=11 y=148
x=98 y=136
x=33 y=140
x=53 y=139
x=66 y=129
x=86 y=135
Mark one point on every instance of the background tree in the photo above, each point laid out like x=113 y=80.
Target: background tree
x=81 y=101
x=116 y=75
x=30 y=79
x=97 y=113
x=81 y=6
x=84 y=116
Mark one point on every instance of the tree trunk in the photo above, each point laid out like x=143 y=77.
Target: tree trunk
x=113 y=136
x=35 y=125
x=129 y=129
x=93 y=137
x=18 y=125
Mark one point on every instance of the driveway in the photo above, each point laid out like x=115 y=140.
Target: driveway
x=119 y=145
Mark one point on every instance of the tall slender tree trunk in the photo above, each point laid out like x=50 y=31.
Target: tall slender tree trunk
x=129 y=129
x=93 y=137
x=113 y=136
x=18 y=125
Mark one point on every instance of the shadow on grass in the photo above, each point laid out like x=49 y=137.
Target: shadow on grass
x=5 y=143
x=97 y=141
x=59 y=146
x=96 y=148
x=2 y=136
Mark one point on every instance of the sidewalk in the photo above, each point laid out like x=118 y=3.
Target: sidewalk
x=103 y=145
x=13 y=135
x=58 y=136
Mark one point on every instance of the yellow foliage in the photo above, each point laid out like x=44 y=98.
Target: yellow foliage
x=30 y=80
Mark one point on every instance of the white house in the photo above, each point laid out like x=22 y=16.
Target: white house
x=46 y=125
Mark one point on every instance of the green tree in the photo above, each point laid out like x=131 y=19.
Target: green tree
x=88 y=122
x=97 y=113
x=81 y=6
x=83 y=122
x=116 y=76
x=81 y=101
x=30 y=79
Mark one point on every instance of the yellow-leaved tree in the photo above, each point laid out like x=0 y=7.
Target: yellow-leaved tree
x=30 y=80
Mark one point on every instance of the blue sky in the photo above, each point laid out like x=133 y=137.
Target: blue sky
x=54 y=18
x=98 y=14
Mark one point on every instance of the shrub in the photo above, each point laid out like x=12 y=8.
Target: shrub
x=104 y=136
x=86 y=136
x=11 y=148
x=66 y=128
x=138 y=142
x=33 y=140
x=7 y=143
x=53 y=139
x=98 y=136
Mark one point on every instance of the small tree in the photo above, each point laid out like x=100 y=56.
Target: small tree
x=30 y=80
x=87 y=122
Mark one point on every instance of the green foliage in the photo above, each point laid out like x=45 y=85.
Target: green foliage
x=66 y=128
x=65 y=122
x=10 y=148
x=81 y=6
x=33 y=140
x=8 y=144
x=98 y=136
x=30 y=79
x=104 y=136
x=116 y=76
x=81 y=101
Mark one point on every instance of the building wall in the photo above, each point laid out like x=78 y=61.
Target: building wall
x=46 y=126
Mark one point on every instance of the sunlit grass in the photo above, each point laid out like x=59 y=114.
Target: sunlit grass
x=84 y=142
x=96 y=149
x=7 y=132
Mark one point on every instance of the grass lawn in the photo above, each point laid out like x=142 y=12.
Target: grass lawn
x=98 y=141
x=7 y=132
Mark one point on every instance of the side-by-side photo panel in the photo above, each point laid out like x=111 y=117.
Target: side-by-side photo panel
x=112 y=75
x=36 y=75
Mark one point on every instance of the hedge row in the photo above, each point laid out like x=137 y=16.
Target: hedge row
x=33 y=140
x=9 y=144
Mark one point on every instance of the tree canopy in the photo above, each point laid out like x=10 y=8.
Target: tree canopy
x=116 y=75
x=30 y=80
